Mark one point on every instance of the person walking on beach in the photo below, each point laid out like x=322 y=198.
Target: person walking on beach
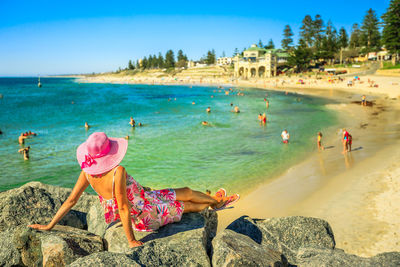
x=347 y=140
x=25 y=151
x=319 y=141
x=285 y=136
x=132 y=122
x=123 y=198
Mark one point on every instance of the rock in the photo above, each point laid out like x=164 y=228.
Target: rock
x=286 y=235
x=328 y=257
x=58 y=247
x=202 y=225
x=105 y=259
x=95 y=219
x=178 y=244
x=386 y=259
x=337 y=257
x=9 y=254
x=38 y=203
x=84 y=204
x=233 y=249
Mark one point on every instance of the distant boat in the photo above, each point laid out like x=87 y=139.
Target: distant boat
x=39 y=84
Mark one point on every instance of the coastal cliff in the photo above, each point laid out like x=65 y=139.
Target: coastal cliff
x=83 y=239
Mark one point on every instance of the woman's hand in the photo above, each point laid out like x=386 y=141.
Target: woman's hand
x=133 y=244
x=40 y=227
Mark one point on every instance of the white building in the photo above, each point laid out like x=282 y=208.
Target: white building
x=224 y=61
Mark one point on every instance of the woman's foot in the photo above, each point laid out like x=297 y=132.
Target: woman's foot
x=229 y=201
x=219 y=205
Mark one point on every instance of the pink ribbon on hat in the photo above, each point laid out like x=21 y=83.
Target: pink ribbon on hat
x=89 y=159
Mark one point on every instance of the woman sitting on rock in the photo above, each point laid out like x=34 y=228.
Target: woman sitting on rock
x=122 y=198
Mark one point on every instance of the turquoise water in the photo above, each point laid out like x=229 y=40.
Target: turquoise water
x=172 y=149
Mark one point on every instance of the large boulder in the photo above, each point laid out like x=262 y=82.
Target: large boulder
x=37 y=203
x=9 y=254
x=287 y=234
x=58 y=247
x=95 y=219
x=311 y=257
x=105 y=259
x=201 y=226
x=233 y=249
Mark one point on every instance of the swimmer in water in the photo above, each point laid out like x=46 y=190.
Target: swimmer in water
x=231 y=104
x=264 y=118
x=266 y=103
x=127 y=137
x=21 y=139
x=193 y=103
x=205 y=123
x=87 y=126
x=285 y=137
x=25 y=151
x=208 y=110
x=260 y=117
x=236 y=109
x=140 y=124
x=132 y=122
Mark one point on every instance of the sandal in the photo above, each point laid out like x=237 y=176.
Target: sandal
x=230 y=200
x=220 y=194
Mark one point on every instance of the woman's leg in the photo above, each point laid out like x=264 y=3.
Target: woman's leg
x=189 y=195
x=194 y=207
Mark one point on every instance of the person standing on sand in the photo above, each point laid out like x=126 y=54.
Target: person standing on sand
x=347 y=140
x=319 y=141
x=285 y=136
x=25 y=151
x=364 y=101
x=123 y=198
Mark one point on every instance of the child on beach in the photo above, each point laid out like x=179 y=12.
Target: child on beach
x=319 y=138
x=123 y=198
x=363 y=100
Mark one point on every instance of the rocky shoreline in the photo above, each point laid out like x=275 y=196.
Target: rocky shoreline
x=83 y=239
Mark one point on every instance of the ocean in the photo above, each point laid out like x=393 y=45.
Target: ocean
x=172 y=148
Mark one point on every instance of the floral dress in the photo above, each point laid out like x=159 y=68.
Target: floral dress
x=149 y=209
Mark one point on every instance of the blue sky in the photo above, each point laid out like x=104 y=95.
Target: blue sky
x=65 y=37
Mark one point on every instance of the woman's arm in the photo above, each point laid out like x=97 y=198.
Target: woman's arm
x=123 y=207
x=73 y=198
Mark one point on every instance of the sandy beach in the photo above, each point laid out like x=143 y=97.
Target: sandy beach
x=358 y=193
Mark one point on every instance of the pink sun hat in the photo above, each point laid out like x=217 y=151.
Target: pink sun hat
x=101 y=153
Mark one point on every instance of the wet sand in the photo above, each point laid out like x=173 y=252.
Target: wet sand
x=358 y=193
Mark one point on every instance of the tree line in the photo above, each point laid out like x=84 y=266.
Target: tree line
x=168 y=61
x=322 y=42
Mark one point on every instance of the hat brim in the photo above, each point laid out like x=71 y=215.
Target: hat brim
x=118 y=147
